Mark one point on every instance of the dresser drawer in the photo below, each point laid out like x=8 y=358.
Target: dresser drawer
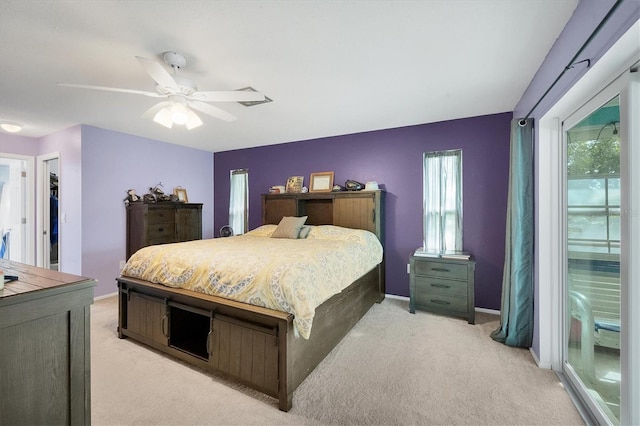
x=440 y=286
x=163 y=230
x=162 y=223
x=163 y=240
x=441 y=303
x=440 y=269
x=161 y=216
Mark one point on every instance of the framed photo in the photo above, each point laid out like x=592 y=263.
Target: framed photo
x=182 y=194
x=294 y=184
x=321 y=182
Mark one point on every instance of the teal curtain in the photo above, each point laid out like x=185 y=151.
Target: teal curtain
x=516 y=312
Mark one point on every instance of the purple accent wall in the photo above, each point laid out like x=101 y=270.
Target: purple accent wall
x=393 y=158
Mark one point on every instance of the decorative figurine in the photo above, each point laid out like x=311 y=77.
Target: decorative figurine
x=155 y=193
x=132 y=197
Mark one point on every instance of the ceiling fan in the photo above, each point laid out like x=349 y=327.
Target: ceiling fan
x=182 y=94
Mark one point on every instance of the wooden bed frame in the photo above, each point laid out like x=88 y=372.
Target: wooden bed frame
x=249 y=344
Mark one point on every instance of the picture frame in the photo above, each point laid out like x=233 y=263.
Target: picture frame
x=321 y=182
x=294 y=184
x=181 y=193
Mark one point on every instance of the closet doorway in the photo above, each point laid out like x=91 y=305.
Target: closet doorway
x=49 y=236
x=16 y=208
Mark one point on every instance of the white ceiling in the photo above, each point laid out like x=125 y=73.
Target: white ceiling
x=331 y=67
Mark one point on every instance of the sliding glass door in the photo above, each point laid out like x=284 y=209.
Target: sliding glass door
x=597 y=193
x=593 y=255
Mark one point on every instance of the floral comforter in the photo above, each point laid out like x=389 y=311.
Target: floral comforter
x=290 y=275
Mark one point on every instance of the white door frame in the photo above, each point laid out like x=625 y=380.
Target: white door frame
x=42 y=194
x=549 y=245
x=29 y=222
x=618 y=87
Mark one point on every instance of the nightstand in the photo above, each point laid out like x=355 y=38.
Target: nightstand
x=442 y=286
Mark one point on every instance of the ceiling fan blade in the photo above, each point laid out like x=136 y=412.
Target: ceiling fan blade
x=211 y=110
x=114 y=89
x=227 y=96
x=158 y=73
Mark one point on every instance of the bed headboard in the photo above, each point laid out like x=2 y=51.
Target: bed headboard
x=350 y=209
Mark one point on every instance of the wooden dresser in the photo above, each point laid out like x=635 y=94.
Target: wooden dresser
x=442 y=286
x=45 y=370
x=160 y=223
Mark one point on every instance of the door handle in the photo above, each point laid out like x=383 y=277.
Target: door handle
x=209 y=342
x=165 y=331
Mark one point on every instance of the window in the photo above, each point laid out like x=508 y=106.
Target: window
x=442 y=201
x=593 y=184
x=239 y=201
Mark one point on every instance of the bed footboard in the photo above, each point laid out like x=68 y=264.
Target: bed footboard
x=251 y=345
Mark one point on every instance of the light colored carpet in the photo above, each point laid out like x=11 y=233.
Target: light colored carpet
x=393 y=368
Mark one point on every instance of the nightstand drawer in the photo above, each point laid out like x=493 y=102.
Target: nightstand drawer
x=440 y=269
x=439 y=286
x=441 y=303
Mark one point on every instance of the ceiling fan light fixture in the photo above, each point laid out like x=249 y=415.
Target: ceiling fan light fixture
x=163 y=117
x=179 y=113
x=11 y=126
x=193 y=121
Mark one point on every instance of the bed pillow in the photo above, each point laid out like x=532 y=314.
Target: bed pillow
x=304 y=231
x=289 y=227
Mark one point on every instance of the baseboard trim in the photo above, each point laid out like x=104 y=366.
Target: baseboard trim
x=488 y=311
x=394 y=296
x=406 y=299
x=106 y=296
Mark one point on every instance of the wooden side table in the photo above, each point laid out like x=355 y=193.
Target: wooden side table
x=44 y=347
x=442 y=286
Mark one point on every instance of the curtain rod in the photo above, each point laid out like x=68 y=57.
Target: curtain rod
x=573 y=62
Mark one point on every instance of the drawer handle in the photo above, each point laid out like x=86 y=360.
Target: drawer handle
x=440 y=269
x=440 y=285
x=209 y=342
x=160 y=229
x=440 y=302
x=165 y=330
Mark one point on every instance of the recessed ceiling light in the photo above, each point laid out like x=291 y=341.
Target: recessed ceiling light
x=11 y=127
